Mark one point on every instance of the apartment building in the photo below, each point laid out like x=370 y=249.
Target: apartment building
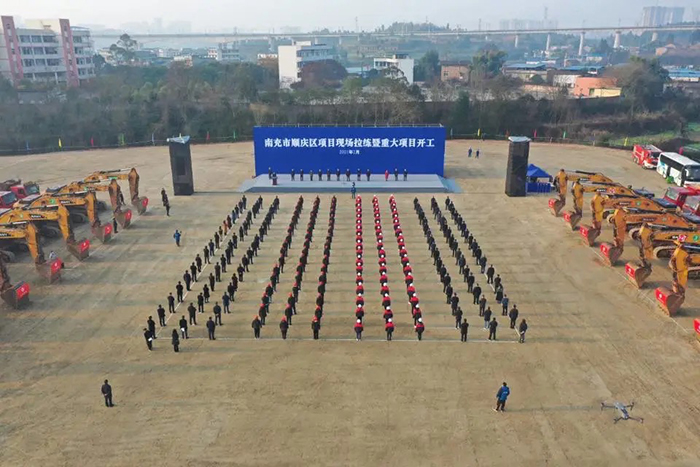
x=291 y=59
x=45 y=50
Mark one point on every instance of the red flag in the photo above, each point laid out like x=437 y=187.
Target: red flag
x=535 y=134
x=507 y=133
x=207 y=136
x=92 y=142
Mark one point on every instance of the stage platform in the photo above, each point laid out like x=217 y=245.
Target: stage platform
x=415 y=184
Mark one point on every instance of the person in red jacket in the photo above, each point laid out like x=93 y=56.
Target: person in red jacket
x=358 y=330
x=359 y=301
x=389 y=328
x=386 y=179
x=359 y=313
x=420 y=328
x=414 y=301
x=410 y=290
x=388 y=314
x=360 y=289
x=409 y=278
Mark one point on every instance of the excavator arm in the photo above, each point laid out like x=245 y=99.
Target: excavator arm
x=561 y=182
x=27 y=233
x=87 y=200
x=60 y=214
x=131 y=175
x=684 y=262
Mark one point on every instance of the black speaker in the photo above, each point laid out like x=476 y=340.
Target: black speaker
x=516 y=176
x=181 y=165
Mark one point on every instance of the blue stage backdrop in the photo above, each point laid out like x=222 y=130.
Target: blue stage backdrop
x=418 y=149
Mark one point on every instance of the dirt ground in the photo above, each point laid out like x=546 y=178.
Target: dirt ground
x=236 y=401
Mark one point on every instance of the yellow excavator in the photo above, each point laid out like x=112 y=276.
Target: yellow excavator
x=684 y=262
x=17 y=296
x=578 y=189
x=600 y=204
x=630 y=215
x=139 y=202
x=78 y=188
x=84 y=204
x=658 y=242
x=27 y=234
x=561 y=184
x=79 y=249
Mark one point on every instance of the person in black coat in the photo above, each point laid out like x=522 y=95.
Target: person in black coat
x=107 y=394
x=256 y=325
x=464 y=329
x=151 y=326
x=211 y=326
x=149 y=338
x=315 y=327
x=183 y=327
x=284 y=327
x=161 y=315
x=176 y=341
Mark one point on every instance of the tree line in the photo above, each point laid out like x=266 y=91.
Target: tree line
x=126 y=105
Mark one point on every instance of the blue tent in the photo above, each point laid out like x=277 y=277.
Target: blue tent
x=536 y=172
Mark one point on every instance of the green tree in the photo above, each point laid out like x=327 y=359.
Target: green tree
x=642 y=82
x=124 y=51
x=488 y=63
x=461 y=112
x=428 y=67
x=323 y=73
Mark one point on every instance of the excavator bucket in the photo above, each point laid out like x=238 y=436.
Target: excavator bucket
x=610 y=253
x=80 y=250
x=103 y=232
x=17 y=296
x=637 y=273
x=141 y=204
x=50 y=271
x=696 y=326
x=589 y=234
x=572 y=219
x=668 y=300
x=555 y=206
x=123 y=217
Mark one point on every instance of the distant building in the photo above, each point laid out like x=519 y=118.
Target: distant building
x=660 y=15
x=399 y=62
x=224 y=52
x=455 y=71
x=186 y=59
x=291 y=59
x=596 y=87
x=526 y=71
x=45 y=50
x=167 y=53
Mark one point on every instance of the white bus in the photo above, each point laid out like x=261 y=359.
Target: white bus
x=682 y=170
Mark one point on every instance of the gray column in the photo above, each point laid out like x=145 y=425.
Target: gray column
x=580 y=43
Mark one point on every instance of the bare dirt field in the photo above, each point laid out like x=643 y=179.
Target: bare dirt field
x=236 y=401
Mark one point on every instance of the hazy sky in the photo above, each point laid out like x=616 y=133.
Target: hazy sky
x=264 y=15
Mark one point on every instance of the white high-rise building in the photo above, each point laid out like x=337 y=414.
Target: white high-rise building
x=224 y=52
x=45 y=50
x=402 y=65
x=292 y=58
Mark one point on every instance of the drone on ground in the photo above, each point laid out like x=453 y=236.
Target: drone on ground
x=623 y=410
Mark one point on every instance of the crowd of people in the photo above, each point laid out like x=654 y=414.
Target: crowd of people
x=193 y=273
x=451 y=296
x=389 y=325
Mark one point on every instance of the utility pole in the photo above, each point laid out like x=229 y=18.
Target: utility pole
x=357 y=25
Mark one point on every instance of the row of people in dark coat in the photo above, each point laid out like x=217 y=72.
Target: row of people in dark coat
x=192 y=274
x=260 y=319
x=368 y=173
